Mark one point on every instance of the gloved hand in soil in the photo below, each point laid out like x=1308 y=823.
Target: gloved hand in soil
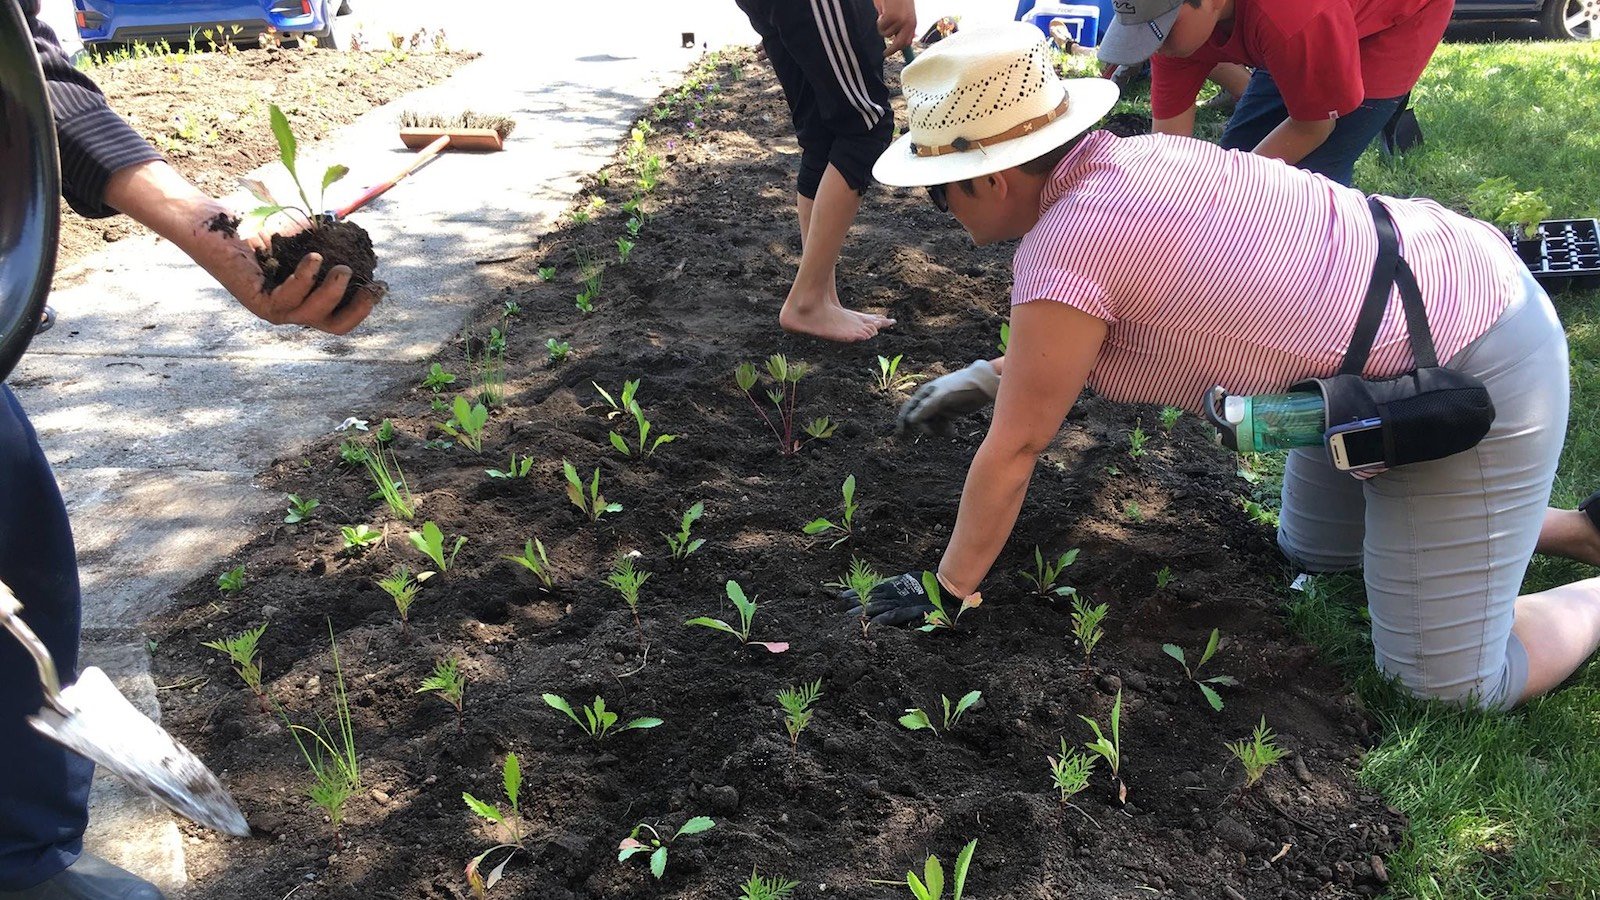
x=936 y=406
x=897 y=601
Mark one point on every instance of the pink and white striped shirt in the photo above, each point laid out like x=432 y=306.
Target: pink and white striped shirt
x=1213 y=266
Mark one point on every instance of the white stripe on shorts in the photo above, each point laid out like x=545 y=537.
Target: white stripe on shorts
x=846 y=68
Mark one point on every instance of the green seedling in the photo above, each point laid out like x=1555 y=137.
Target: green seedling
x=517 y=468
x=335 y=768
x=919 y=720
x=467 y=424
x=359 y=536
x=1069 y=772
x=598 y=722
x=889 y=379
x=940 y=617
x=861 y=578
x=241 y=651
x=1193 y=674
x=593 y=504
x=547 y=273
x=510 y=308
x=448 y=684
x=1136 y=441
x=488 y=371
x=287 y=147
x=1005 y=338
x=1520 y=212
x=783 y=394
x=231 y=581
x=931 y=885
x=1164 y=577
x=796 y=703
x=438 y=379
x=1110 y=751
x=845 y=526
x=624 y=250
x=681 y=544
x=1259 y=514
x=385 y=432
x=1086 y=628
x=747 y=611
x=1132 y=511
x=300 y=510
x=1045 y=574
x=556 y=350
x=430 y=543
x=656 y=845
x=620 y=404
x=1169 y=418
x=384 y=469
x=647 y=447
x=1258 y=753
x=766 y=888
x=533 y=559
x=634 y=224
x=510 y=821
x=401 y=588
x=351 y=453
x=626 y=580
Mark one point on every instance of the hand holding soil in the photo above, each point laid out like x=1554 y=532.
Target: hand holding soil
x=305 y=297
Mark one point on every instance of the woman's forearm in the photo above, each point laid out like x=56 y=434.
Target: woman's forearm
x=996 y=484
x=1293 y=140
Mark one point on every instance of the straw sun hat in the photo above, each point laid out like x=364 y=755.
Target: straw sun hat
x=985 y=100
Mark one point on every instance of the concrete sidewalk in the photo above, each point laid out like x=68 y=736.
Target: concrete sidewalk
x=159 y=399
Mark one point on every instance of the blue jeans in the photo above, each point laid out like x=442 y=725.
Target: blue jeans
x=44 y=788
x=1261 y=109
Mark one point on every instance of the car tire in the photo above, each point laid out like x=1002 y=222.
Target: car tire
x=1571 y=20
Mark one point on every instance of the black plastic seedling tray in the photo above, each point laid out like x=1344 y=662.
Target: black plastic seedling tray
x=1567 y=257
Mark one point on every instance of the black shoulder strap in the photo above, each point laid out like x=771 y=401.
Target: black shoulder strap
x=1388 y=270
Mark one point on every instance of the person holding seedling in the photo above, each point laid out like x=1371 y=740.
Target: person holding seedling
x=106 y=168
x=828 y=56
x=1329 y=74
x=1118 y=286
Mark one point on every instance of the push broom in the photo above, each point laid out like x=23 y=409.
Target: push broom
x=432 y=135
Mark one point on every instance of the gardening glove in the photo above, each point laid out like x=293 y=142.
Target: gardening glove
x=936 y=406
x=897 y=601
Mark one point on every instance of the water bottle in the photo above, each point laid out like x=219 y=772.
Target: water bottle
x=1262 y=423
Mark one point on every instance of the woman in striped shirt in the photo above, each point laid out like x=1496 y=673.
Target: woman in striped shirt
x=1152 y=268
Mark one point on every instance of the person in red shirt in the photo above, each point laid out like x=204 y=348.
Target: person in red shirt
x=1329 y=73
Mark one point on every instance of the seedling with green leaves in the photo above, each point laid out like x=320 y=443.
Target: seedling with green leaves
x=231 y=581
x=940 y=617
x=862 y=578
x=401 y=588
x=1169 y=418
x=783 y=394
x=760 y=887
x=556 y=350
x=438 y=379
x=931 y=885
x=747 y=611
x=1193 y=674
x=547 y=273
x=311 y=215
x=300 y=510
x=620 y=404
x=624 y=250
x=1257 y=753
x=1069 y=772
x=888 y=377
x=584 y=302
x=647 y=447
x=351 y=453
x=593 y=504
x=1164 y=577
x=598 y=722
x=518 y=467
x=1132 y=511
x=385 y=432
x=1086 y=628
x=467 y=423
x=1259 y=514
x=1136 y=442
x=488 y=370
x=430 y=543
x=535 y=560
x=1045 y=574
x=359 y=536
x=656 y=845
x=384 y=469
x=335 y=768
x=796 y=703
x=918 y=719
x=846 y=525
x=626 y=580
x=681 y=544
x=633 y=224
x=448 y=684
x=1005 y=338
x=509 y=820
x=1110 y=750
x=241 y=651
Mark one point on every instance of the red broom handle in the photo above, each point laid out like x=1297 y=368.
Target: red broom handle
x=377 y=190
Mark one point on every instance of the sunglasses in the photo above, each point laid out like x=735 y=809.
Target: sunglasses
x=939 y=194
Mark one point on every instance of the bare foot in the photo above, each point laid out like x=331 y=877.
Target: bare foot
x=832 y=322
x=1569 y=533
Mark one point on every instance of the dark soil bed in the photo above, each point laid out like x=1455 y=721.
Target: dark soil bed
x=861 y=798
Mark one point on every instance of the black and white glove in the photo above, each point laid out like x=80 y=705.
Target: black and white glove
x=896 y=601
x=936 y=406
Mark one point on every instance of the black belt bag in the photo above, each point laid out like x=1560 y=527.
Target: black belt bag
x=1428 y=413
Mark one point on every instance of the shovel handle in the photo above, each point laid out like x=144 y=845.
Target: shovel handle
x=10 y=608
x=377 y=190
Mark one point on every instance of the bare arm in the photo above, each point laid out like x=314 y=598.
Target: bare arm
x=1181 y=124
x=1293 y=139
x=897 y=22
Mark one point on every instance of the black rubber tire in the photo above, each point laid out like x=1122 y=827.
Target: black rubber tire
x=1554 y=16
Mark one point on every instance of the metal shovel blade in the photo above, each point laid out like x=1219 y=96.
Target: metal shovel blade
x=102 y=725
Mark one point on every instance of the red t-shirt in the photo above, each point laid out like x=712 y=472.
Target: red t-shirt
x=1325 y=55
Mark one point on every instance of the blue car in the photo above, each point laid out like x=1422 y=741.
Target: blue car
x=175 y=21
x=1563 y=20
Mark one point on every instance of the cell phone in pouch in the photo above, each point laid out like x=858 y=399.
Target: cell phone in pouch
x=1356 y=445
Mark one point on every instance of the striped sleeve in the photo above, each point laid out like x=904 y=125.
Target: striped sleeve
x=94 y=141
x=1045 y=268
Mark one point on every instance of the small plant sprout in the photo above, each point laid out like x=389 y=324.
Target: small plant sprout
x=509 y=820
x=1193 y=674
x=1110 y=751
x=287 y=147
x=624 y=250
x=889 y=380
x=241 y=651
x=430 y=543
x=783 y=394
x=385 y=432
x=772 y=887
x=351 y=453
x=448 y=684
x=681 y=544
x=1132 y=512
x=618 y=407
x=633 y=225
x=547 y=273
x=796 y=703
x=231 y=581
x=359 y=536
x=1070 y=772
x=846 y=523
x=1259 y=514
x=1136 y=441
x=747 y=611
x=1045 y=574
x=940 y=617
x=401 y=588
x=656 y=845
x=862 y=578
x=335 y=768
x=584 y=302
x=593 y=504
x=533 y=559
x=438 y=379
x=385 y=472
x=598 y=722
x=467 y=423
x=647 y=447
x=931 y=885
x=1169 y=418
x=557 y=350
x=1258 y=753
x=1164 y=577
x=300 y=510
x=519 y=467
x=918 y=719
x=1005 y=337
x=1086 y=628
x=626 y=580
